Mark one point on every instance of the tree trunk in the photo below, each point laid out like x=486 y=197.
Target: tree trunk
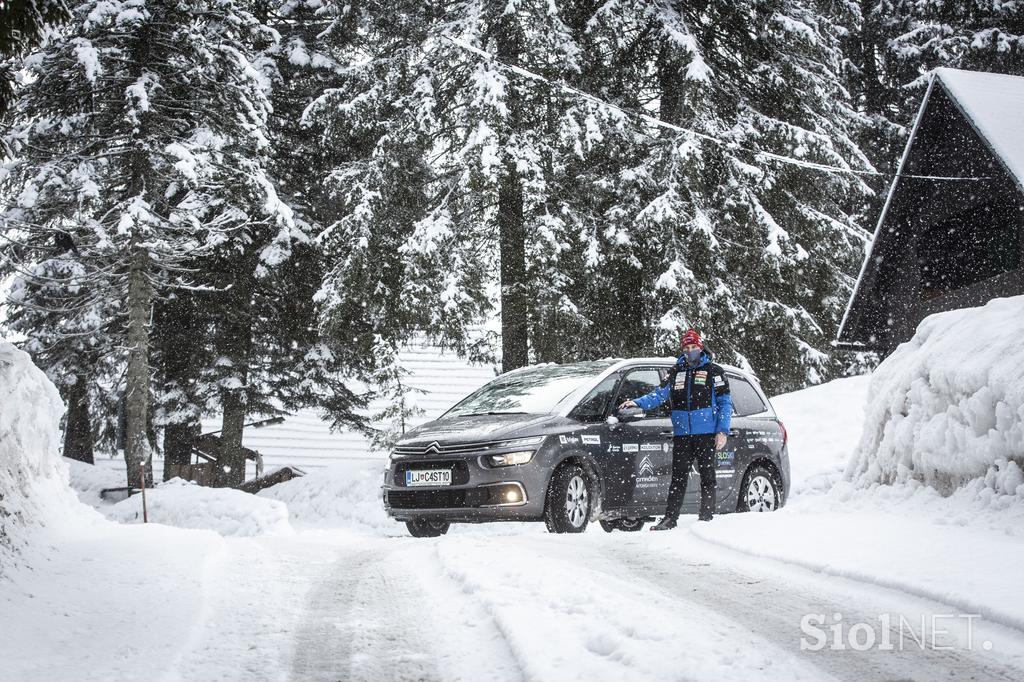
x=868 y=40
x=137 y=452
x=178 y=440
x=514 y=315
x=670 y=82
x=179 y=335
x=78 y=426
x=235 y=344
x=511 y=228
x=230 y=470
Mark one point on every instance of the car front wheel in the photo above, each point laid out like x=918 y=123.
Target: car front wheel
x=427 y=528
x=567 y=509
x=761 y=491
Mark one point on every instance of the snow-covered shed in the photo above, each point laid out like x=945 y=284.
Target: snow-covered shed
x=949 y=235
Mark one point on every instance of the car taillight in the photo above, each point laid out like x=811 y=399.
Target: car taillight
x=785 y=434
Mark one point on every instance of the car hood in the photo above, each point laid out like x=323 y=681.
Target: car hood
x=474 y=429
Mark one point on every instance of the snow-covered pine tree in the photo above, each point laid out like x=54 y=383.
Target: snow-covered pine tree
x=973 y=34
x=873 y=86
x=22 y=25
x=895 y=43
x=378 y=118
x=304 y=363
x=757 y=253
x=448 y=206
x=628 y=232
x=57 y=303
x=182 y=327
x=401 y=404
x=140 y=139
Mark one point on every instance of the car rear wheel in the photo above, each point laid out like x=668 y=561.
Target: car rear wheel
x=567 y=509
x=760 y=491
x=427 y=528
x=628 y=525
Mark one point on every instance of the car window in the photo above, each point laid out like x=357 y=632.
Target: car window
x=640 y=382
x=531 y=390
x=745 y=400
x=595 y=406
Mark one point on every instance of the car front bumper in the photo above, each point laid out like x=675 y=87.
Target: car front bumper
x=478 y=493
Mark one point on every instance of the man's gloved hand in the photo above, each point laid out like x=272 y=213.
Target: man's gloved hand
x=719 y=441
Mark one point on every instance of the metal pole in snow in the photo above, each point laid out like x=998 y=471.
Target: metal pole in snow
x=142 y=480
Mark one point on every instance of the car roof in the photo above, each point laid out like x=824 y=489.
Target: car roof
x=618 y=364
x=668 y=360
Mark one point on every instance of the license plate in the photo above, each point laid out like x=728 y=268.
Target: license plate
x=414 y=477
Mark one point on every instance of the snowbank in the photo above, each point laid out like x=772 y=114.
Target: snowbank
x=824 y=423
x=930 y=503
x=917 y=554
x=226 y=511
x=33 y=491
x=343 y=494
x=948 y=406
x=87 y=480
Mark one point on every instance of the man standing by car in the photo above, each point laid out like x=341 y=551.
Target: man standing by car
x=698 y=394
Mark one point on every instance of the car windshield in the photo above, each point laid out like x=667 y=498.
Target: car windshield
x=534 y=390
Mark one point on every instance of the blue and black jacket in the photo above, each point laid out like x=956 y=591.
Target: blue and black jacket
x=698 y=396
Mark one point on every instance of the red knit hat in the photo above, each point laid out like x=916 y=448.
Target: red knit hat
x=691 y=337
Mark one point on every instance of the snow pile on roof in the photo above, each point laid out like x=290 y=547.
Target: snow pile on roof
x=32 y=477
x=947 y=407
x=994 y=102
x=344 y=494
x=226 y=511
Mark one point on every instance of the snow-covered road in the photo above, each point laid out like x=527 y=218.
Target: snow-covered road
x=503 y=602
x=512 y=602
x=310 y=581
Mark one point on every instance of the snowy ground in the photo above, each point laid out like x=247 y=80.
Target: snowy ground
x=498 y=602
x=338 y=592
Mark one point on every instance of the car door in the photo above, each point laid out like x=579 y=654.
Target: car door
x=605 y=441
x=646 y=443
x=752 y=433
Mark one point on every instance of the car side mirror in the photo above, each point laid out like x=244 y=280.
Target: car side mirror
x=630 y=414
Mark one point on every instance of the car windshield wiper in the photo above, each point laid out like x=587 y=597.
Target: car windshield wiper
x=481 y=414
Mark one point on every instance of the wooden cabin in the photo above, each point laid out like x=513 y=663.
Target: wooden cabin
x=950 y=233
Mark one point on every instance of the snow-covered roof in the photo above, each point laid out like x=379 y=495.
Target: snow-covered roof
x=994 y=104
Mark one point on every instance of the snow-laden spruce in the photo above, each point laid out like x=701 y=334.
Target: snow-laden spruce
x=468 y=185
x=947 y=407
x=144 y=232
x=33 y=488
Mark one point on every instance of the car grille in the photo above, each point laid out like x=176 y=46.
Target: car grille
x=459 y=467
x=436 y=448
x=456 y=498
x=437 y=499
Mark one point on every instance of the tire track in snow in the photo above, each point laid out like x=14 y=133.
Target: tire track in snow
x=772 y=607
x=385 y=611
x=567 y=620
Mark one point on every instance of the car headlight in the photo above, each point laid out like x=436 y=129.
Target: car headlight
x=519 y=442
x=510 y=458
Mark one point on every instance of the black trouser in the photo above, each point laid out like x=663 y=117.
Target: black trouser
x=685 y=450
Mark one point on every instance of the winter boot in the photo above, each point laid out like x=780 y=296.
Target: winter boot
x=665 y=524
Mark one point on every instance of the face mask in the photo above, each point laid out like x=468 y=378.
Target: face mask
x=693 y=356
